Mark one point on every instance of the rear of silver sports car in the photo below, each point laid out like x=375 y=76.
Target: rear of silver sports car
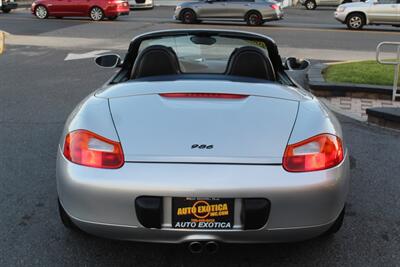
x=166 y=165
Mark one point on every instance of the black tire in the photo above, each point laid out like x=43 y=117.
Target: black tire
x=254 y=18
x=112 y=18
x=337 y=224
x=355 y=21
x=41 y=12
x=310 y=4
x=6 y=10
x=65 y=219
x=188 y=16
x=96 y=13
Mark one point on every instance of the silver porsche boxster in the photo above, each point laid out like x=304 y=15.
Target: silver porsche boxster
x=202 y=137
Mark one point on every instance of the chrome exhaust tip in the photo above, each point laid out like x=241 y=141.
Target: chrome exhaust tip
x=211 y=247
x=195 y=247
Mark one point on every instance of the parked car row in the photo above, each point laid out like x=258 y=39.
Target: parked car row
x=254 y=12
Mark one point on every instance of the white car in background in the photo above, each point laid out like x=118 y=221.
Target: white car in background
x=312 y=4
x=141 y=4
x=371 y=12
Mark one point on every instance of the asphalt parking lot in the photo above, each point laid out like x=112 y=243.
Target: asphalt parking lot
x=39 y=89
x=301 y=33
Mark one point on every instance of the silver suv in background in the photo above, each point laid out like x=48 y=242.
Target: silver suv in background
x=254 y=12
x=372 y=12
x=312 y=4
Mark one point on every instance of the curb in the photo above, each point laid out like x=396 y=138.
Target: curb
x=388 y=117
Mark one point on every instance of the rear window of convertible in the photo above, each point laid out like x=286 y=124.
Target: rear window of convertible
x=198 y=54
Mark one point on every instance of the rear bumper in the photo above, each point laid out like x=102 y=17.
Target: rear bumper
x=139 y=6
x=102 y=202
x=137 y=233
x=278 y=15
x=275 y=17
x=145 y=4
x=117 y=10
x=9 y=6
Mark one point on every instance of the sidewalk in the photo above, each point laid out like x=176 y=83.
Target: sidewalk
x=356 y=107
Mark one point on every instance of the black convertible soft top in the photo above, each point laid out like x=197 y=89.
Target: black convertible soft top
x=269 y=45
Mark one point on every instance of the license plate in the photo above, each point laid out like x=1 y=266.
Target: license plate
x=202 y=213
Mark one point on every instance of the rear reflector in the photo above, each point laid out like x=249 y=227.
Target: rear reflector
x=203 y=95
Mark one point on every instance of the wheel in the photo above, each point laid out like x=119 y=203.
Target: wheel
x=41 y=12
x=337 y=224
x=310 y=5
x=96 y=13
x=188 y=16
x=112 y=18
x=6 y=10
x=65 y=219
x=355 y=21
x=254 y=19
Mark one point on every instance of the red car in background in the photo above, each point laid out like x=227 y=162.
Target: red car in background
x=95 y=9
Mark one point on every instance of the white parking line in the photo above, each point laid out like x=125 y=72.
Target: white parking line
x=92 y=54
x=75 y=43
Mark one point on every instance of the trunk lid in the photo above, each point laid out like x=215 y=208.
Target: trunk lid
x=252 y=130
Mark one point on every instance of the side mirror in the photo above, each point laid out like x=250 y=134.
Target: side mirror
x=292 y=63
x=108 y=61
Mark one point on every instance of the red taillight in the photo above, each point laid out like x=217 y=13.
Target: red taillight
x=89 y=149
x=274 y=7
x=316 y=153
x=203 y=95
